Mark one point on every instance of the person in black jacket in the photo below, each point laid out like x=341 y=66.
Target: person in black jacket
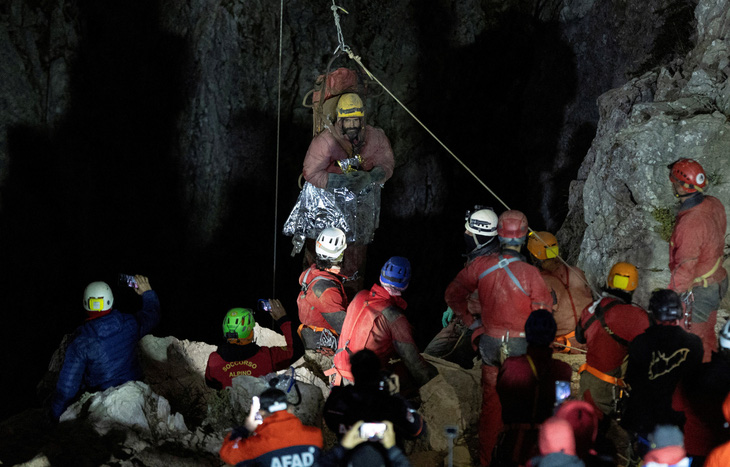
x=373 y=398
x=659 y=360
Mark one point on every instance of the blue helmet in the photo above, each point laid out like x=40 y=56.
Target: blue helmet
x=396 y=272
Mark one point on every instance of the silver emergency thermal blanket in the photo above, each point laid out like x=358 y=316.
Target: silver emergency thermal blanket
x=355 y=214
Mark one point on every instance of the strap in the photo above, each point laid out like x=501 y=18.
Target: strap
x=315 y=329
x=599 y=315
x=564 y=340
x=503 y=264
x=703 y=277
x=532 y=366
x=602 y=376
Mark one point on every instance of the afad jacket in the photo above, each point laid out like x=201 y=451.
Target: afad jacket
x=102 y=352
x=280 y=440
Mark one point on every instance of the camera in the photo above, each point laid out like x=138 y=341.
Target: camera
x=562 y=391
x=264 y=305
x=451 y=431
x=128 y=280
x=372 y=431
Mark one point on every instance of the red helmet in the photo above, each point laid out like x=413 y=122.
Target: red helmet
x=512 y=224
x=689 y=173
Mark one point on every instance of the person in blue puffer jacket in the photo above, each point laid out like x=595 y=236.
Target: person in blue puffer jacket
x=102 y=352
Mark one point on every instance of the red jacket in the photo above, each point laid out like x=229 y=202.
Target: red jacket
x=572 y=291
x=625 y=320
x=375 y=321
x=231 y=360
x=324 y=294
x=326 y=149
x=283 y=436
x=697 y=242
x=504 y=306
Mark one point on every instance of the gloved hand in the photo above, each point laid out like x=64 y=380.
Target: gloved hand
x=359 y=181
x=338 y=181
x=447 y=317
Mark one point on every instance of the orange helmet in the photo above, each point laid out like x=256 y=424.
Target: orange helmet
x=623 y=276
x=542 y=245
x=689 y=173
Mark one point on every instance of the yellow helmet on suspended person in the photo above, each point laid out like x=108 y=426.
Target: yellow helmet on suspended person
x=350 y=105
x=542 y=245
x=623 y=276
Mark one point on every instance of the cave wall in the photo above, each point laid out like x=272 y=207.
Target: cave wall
x=142 y=136
x=622 y=197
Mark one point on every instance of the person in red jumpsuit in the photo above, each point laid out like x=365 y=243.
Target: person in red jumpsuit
x=568 y=284
x=353 y=155
x=453 y=342
x=238 y=355
x=509 y=290
x=322 y=301
x=526 y=388
x=375 y=321
x=607 y=327
x=696 y=252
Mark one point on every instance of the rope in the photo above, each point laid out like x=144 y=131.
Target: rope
x=340 y=38
x=278 y=139
x=372 y=77
x=345 y=48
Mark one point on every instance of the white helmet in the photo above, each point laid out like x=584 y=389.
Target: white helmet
x=725 y=336
x=482 y=222
x=330 y=244
x=98 y=297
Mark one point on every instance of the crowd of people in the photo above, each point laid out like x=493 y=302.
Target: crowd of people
x=654 y=374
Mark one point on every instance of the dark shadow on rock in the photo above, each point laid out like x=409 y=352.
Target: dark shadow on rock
x=99 y=194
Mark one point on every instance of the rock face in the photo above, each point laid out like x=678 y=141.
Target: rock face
x=173 y=417
x=623 y=196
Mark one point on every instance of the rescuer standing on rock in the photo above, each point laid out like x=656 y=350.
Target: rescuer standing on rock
x=238 y=355
x=696 y=252
x=453 y=342
x=375 y=321
x=322 y=301
x=509 y=290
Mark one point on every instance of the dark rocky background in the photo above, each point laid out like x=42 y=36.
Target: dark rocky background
x=141 y=137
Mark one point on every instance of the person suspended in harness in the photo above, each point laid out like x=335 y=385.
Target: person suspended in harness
x=344 y=168
x=568 y=285
x=509 y=290
x=696 y=250
x=606 y=327
x=375 y=320
x=322 y=301
x=526 y=388
x=453 y=342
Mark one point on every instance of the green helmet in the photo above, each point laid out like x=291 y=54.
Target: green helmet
x=238 y=324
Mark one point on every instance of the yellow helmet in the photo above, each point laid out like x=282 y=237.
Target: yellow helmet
x=350 y=105
x=543 y=245
x=623 y=276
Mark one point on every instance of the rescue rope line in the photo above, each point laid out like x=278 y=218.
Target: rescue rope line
x=345 y=48
x=278 y=139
